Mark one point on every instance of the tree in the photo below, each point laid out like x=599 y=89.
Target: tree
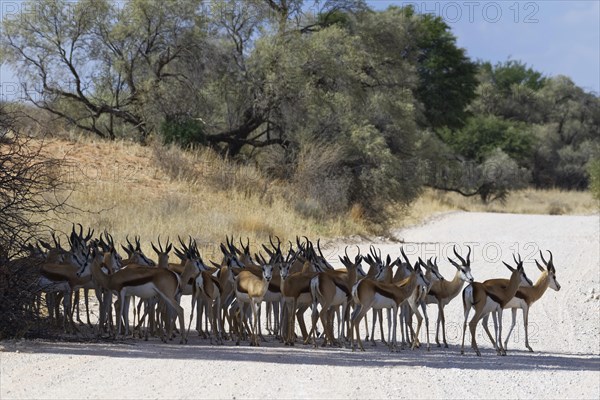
x=483 y=134
x=568 y=137
x=594 y=172
x=510 y=90
x=95 y=64
x=447 y=77
x=336 y=88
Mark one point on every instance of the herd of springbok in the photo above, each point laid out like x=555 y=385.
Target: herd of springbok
x=228 y=296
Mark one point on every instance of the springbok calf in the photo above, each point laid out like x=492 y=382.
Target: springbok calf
x=526 y=296
x=490 y=299
x=249 y=291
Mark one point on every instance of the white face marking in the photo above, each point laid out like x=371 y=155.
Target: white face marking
x=267 y=272
x=554 y=283
x=466 y=275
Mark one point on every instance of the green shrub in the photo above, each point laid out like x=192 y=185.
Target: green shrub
x=183 y=131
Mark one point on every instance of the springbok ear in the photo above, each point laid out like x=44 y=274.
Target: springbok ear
x=45 y=245
x=388 y=260
x=509 y=267
x=155 y=249
x=454 y=263
x=539 y=266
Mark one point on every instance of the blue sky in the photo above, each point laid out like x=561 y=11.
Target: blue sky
x=554 y=37
x=558 y=37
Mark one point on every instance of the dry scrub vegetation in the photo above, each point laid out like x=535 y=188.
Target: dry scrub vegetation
x=526 y=201
x=162 y=190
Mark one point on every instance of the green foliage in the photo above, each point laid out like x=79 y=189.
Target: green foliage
x=183 y=131
x=327 y=91
x=483 y=134
x=98 y=64
x=568 y=138
x=498 y=174
x=447 y=78
x=505 y=75
x=510 y=90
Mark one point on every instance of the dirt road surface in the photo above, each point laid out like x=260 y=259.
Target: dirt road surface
x=564 y=332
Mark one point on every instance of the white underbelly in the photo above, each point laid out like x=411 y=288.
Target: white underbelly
x=46 y=285
x=490 y=306
x=339 y=298
x=380 y=302
x=145 y=291
x=515 y=302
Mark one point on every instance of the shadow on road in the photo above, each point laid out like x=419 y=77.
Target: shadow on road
x=274 y=352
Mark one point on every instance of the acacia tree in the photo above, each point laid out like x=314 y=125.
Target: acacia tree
x=94 y=63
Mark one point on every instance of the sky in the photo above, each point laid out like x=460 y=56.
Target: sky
x=556 y=37
x=560 y=37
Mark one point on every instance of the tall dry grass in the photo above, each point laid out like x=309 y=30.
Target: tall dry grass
x=155 y=190
x=526 y=201
x=161 y=190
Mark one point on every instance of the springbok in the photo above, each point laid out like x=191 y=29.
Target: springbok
x=368 y=293
x=250 y=290
x=206 y=288
x=443 y=291
x=64 y=278
x=332 y=289
x=526 y=296
x=141 y=281
x=490 y=299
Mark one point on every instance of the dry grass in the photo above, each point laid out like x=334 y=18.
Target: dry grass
x=527 y=201
x=130 y=189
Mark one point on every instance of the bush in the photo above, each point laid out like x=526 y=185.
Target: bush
x=320 y=183
x=183 y=130
x=29 y=183
x=482 y=135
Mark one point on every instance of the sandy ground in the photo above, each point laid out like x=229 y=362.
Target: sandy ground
x=564 y=332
